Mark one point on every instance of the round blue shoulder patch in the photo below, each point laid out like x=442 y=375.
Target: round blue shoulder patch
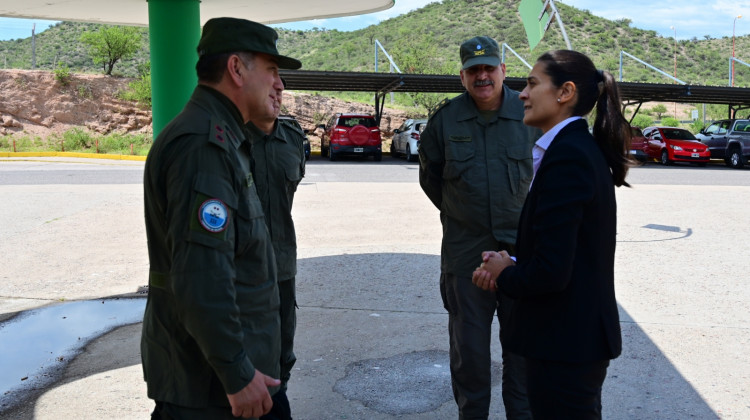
x=213 y=215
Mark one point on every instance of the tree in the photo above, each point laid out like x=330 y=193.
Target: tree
x=111 y=44
x=659 y=110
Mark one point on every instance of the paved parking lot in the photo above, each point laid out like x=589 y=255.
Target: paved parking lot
x=372 y=340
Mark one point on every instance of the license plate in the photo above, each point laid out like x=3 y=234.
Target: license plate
x=695 y=155
x=359 y=149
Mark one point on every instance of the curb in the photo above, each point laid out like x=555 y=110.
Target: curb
x=71 y=154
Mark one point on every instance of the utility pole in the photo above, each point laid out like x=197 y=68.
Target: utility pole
x=734 y=25
x=674 y=54
x=33 y=47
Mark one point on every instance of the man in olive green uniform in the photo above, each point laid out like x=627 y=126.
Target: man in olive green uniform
x=210 y=345
x=476 y=167
x=278 y=167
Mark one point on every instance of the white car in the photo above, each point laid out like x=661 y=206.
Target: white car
x=406 y=139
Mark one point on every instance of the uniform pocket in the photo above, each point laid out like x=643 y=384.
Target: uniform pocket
x=458 y=156
x=293 y=178
x=520 y=168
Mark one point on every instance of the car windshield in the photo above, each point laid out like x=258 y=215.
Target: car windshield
x=352 y=121
x=678 y=134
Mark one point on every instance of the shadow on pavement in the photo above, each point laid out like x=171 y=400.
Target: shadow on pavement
x=370 y=324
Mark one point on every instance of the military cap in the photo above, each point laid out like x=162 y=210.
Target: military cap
x=225 y=34
x=480 y=50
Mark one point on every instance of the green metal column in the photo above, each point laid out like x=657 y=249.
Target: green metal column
x=174 y=31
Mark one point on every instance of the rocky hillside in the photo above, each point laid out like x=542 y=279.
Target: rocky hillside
x=34 y=103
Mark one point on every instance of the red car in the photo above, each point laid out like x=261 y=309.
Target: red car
x=637 y=145
x=351 y=134
x=670 y=144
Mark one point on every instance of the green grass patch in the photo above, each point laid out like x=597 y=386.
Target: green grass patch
x=81 y=141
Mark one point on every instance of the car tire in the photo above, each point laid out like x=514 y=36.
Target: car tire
x=665 y=158
x=332 y=156
x=409 y=156
x=736 y=160
x=323 y=151
x=378 y=156
x=393 y=148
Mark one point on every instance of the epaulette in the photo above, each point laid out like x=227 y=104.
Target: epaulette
x=294 y=127
x=221 y=135
x=438 y=107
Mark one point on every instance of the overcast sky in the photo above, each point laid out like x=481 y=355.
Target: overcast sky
x=690 y=18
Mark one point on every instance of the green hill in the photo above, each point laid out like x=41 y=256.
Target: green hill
x=426 y=41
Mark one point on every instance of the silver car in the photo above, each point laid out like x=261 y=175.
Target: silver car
x=406 y=139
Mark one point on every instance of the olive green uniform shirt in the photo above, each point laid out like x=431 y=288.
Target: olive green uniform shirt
x=477 y=172
x=279 y=165
x=212 y=314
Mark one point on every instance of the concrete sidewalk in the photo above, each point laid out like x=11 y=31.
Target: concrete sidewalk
x=372 y=333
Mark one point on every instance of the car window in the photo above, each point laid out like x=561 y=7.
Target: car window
x=723 y=127
x=741 y=126
x=677 y=134
x=635 y=132
x=352 y=121
x=712 y=129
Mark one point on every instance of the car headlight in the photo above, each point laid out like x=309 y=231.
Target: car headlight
x=677 y=148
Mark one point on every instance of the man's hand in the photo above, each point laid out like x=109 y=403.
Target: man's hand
x=254 y=399
x=493 y=263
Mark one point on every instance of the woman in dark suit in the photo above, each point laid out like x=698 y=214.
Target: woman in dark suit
x=564 y=320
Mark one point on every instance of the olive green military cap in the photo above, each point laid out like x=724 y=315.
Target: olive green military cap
x=225 y=34
x=480 y=50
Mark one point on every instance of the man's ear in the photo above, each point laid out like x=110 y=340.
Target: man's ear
x=235 y=69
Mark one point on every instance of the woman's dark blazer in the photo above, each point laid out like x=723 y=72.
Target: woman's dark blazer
x=563 y=283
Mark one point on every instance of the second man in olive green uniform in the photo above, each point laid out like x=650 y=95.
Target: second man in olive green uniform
x=279 y=165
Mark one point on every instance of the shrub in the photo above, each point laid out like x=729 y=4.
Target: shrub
x=62 y=73
x=84 y=91
x=670 y=122
x=696 y=126
x=77 y=139
x=642 y=121
x=138 y=90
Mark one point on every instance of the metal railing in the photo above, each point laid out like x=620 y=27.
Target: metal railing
x=731 y=73
x=649 y=66
x=390 y=59
x=506 y=46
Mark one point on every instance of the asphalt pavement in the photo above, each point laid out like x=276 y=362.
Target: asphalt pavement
x=372 y=334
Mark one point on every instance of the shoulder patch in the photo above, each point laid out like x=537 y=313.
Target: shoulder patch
x=213 y=215
x=438 y=107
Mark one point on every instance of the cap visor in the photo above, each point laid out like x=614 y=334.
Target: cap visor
x=475 y=61
x=288 y=63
